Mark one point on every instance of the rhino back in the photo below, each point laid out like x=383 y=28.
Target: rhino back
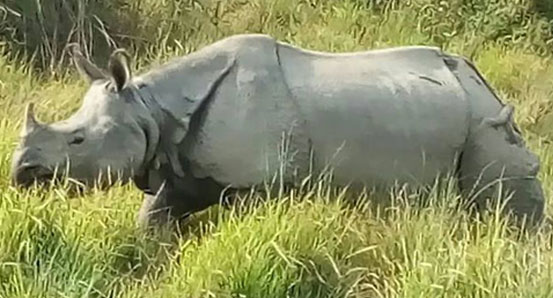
x=484 y=102
x=250 y=129
x=379 y=116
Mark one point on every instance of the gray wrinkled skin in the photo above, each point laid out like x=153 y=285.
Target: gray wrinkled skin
x=246 y=108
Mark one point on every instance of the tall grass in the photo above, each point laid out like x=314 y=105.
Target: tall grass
x=43 y=28
x=309 y=244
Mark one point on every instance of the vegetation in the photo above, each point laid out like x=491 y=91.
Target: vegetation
x=302 y=244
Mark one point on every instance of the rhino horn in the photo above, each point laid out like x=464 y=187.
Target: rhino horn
x=86 y=68
x=29 y=117
x=119 y=68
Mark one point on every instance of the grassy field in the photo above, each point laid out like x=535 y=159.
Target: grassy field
x=299 y=245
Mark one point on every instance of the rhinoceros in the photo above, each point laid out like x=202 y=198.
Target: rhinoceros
x=241 y=110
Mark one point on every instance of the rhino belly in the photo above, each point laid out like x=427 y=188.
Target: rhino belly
x=379 y=117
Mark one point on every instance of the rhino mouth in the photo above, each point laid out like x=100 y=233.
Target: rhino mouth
x=27 y=175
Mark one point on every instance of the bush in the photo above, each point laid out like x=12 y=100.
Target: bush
x=43 y=28
x=544 y=7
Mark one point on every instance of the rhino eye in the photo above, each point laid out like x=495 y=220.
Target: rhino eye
x=76 y=140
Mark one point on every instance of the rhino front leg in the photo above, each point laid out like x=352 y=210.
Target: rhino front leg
x=177 y=199
x=159 y=208
x=496 y=163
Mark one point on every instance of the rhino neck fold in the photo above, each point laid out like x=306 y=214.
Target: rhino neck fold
x=150 y=118
x=160 y=129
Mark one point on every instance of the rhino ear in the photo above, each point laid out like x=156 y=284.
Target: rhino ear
x=86 y=68
x=505 y=117
x=119 y=68
x=505 y=120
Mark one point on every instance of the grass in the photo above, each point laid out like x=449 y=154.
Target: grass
x=309 y=244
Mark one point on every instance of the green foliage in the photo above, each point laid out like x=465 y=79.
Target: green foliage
x=544 y=7
x=299 y=245
x=152 y=27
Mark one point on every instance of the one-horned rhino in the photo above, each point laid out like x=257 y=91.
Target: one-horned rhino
x=239 y=111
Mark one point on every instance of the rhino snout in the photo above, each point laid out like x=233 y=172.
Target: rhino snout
x=528 y=200
x=26 y=174
x=28 y=169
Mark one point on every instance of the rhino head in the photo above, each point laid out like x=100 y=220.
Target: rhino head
x=107 y=137
x=497 y=163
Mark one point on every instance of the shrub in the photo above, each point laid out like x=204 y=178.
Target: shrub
x=42 y=28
